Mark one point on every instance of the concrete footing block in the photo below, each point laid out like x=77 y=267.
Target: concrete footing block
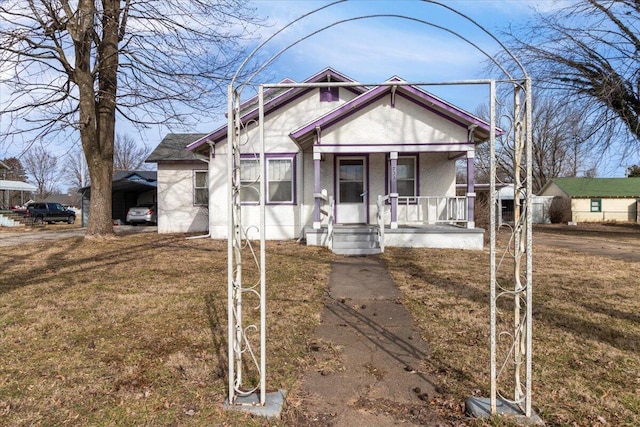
x=272 y=408
x=480 y=407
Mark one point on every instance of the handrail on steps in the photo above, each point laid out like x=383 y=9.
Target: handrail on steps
x=380 y=217
x=329 y=213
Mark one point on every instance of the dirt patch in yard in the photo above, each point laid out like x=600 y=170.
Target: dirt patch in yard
x=619 y=241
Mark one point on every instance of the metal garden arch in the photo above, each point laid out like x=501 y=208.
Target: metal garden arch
x=510 y=266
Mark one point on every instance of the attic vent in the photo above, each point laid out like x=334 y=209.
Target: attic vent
x=329 y=94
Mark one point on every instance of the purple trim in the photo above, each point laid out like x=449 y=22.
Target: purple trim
x=362 y=101
x=470 y=189
x=394 y=189
x=336 y=179
x=272 y=105
x=416 y=156
x=268 y=90
x=329 y=94
x=316 y=189
x=420 y=144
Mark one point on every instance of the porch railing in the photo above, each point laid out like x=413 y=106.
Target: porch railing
x=432 y=210
x=328 y=210
x=380 y=216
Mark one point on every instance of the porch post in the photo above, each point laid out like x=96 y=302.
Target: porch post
x=393 y=191
x=471 y=195
x=316 y=190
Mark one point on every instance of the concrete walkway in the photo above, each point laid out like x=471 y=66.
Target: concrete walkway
x=368 y=354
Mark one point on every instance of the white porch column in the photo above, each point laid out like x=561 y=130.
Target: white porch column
x=471 y=195
x=393 y=191
x=316 y=191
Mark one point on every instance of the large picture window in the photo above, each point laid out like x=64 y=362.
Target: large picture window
x=406 y=176
x=280 y=174
x=200 y=188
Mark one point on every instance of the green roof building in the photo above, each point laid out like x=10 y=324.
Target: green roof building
x=597 y=199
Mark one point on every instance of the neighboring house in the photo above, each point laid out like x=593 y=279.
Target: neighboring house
x=69 y=201
x=597 y=199
x=505 y=206
x=7 y=186
x=129 y=188
x=351 y=145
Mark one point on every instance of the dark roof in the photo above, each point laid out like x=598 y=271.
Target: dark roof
x=130 y=182
x=598 y=187
x=64 y=199
x=150 y=176
x=172 y=148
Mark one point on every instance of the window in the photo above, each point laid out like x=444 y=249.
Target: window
x=596 y=205
x=200 y=188
x=406 y=176
x=280 y=180
x=250 y=180
x=329 y=94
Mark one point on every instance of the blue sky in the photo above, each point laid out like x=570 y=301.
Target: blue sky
x=374 y=49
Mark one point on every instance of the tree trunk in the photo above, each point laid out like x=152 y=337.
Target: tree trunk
x=97 y=110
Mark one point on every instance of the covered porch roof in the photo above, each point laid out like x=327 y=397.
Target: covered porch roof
x=476 y=129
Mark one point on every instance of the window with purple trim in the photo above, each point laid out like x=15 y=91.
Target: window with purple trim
x=406 y=176
x=329 y=94
x=280 y=180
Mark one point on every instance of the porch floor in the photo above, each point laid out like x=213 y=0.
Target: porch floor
x=440 y=236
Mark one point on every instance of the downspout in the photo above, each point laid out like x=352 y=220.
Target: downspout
x=212 y=154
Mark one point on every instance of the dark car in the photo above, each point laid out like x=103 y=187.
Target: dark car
x=146 y=213
x=40 y=212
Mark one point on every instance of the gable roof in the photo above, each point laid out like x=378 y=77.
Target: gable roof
x=597 y=187
x=275 y=100
x=173 y=148
x=419 y=96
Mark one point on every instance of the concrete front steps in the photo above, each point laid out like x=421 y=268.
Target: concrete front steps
x=11 y=219
x=360 y=240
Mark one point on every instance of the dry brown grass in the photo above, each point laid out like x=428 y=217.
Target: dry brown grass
x=132 y=330
x=586 y=328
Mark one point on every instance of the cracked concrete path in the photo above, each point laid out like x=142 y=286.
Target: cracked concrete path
x=368 y=354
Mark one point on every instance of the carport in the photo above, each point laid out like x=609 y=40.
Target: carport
x=129 y=188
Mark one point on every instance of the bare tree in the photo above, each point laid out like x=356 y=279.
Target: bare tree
x=560 y=142
x=76 y=66
x=128 y=155
x=76 y=172
x=42 y=166
x=589 y=53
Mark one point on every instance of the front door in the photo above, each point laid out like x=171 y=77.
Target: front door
x=352 y=197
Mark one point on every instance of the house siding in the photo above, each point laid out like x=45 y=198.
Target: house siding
x=177 y=214
x=613 y=209
x=380 y=123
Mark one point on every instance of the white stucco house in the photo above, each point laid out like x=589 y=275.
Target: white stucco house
x=378 y=162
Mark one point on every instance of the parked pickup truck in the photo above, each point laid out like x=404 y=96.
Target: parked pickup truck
x=49 y=213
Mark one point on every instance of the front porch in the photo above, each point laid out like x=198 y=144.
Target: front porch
x=371 y=239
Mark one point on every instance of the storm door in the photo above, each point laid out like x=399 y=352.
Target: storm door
x=352 y=197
